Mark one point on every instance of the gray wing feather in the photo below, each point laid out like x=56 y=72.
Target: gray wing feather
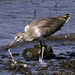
x=48 y=26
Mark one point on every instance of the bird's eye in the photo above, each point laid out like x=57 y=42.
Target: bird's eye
x=18 y=37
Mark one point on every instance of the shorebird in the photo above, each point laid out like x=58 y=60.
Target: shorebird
x=40 y=29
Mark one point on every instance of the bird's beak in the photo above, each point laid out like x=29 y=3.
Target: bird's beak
x=12 y=43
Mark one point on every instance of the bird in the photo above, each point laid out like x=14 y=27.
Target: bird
x=39 y=29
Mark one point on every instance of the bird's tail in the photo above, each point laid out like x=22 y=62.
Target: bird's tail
x=65 y=17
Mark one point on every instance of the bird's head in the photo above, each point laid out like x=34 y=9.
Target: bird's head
x=19 y=37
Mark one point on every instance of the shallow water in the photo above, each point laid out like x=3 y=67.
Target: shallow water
x=16 y=14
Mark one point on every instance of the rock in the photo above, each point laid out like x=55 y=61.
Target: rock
x=33 y=53
x=69 y=36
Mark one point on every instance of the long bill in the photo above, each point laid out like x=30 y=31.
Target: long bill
x=12 y=44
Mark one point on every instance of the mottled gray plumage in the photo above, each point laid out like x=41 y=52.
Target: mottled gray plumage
x=47 y=26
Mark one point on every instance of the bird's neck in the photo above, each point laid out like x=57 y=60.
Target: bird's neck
x=27 y=37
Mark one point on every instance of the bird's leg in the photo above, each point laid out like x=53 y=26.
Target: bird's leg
x=44 y=45
x=11 y=56
x=41 y=52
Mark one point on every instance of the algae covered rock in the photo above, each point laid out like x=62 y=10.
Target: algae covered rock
x=33 y=53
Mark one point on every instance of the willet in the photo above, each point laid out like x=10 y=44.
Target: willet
x=40 y=29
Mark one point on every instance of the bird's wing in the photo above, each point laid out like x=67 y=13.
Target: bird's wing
x=50 y=25
x=51 y=20
x=46 y=21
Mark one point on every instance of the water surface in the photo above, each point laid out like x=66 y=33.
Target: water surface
x=16 y=14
